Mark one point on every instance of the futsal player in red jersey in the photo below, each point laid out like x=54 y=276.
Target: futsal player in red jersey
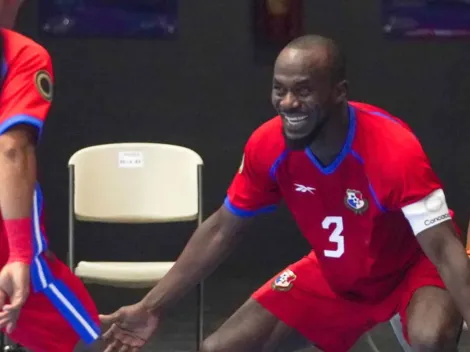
x=44 y=306
x=363 y=193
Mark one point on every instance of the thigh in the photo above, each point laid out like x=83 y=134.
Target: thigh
x=250 y=328
x=286 y=339
x=432 y=316
x=253 y=328
x=427 y=309
x=302 y=299
x=56 y=318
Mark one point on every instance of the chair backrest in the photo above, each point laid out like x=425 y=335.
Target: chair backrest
x=136 y=183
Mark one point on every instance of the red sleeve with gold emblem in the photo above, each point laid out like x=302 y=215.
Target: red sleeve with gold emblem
x=254 y=188
x=27 y=86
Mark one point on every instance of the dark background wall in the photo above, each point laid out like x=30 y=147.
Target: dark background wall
x=205 y=91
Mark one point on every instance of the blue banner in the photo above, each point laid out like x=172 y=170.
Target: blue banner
x=426 y=18
x=109 y=18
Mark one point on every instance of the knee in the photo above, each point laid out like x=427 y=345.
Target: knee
x=436 y=337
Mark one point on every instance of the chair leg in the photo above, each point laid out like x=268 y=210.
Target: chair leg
x=200 y=315
x=371 y=343
x=397 y=328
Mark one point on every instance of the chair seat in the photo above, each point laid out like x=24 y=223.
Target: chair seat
x=123 y=274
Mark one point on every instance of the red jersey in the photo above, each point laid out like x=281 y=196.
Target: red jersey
x=26 y=82
x=25 y=98
x=360 y=214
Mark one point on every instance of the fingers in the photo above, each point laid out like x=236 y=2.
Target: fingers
x=118 y=340
x=8 y=321
x=7 y=317
x=4 y=320
x=108 y=335
x=117 y=346
x=125 y=348
x=3 y=298
x=10 y=327
x=129 y=341
x=3 y=315
x=17 y=300
x=110 y=318
x=113 y=347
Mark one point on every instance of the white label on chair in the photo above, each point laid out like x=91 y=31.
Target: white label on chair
x=131 y=159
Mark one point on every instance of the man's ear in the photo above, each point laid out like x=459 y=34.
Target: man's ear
x=341 y=91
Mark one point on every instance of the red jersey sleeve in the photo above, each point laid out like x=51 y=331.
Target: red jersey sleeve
x=254 y=189
x=27 y=87
x=399 y=172
x=414 y=188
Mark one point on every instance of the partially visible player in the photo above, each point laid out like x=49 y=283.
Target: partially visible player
x=363 y=193
x=44 y=306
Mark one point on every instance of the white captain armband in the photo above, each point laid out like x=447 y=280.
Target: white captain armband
x=428 y=212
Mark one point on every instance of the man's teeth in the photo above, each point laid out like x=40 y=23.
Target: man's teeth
x=296 y=118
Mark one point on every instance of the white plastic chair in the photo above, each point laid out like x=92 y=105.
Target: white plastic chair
x=133 y=183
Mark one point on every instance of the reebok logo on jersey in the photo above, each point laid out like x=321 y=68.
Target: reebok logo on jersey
x=437 y=220
x=304 y=189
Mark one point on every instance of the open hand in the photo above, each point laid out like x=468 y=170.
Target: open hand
x=130 y=328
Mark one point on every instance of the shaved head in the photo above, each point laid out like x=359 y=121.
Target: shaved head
x=316 y=53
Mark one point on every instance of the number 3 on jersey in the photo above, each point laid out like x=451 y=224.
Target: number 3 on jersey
x=336 y=224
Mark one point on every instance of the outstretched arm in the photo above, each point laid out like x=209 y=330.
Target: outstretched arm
x=252 y=191
x=210 y=244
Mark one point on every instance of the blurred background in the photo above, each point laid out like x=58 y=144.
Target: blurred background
x=198 y=74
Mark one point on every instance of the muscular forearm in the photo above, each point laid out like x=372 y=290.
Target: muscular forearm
x=454 y=268
x=17 y=182
x=208 y=247
x=17 y=176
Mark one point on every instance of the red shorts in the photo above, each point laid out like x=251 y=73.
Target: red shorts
x=304 y=300
x=56 y=318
